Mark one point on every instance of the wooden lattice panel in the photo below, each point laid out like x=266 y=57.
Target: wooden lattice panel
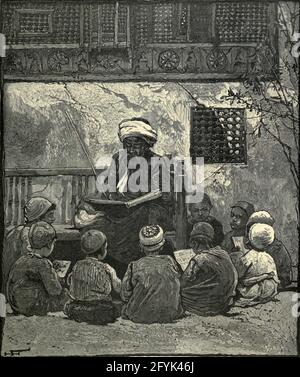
x=34 y=23
x=200 y=22
x=183 y=16
x=66 y=21
x=141 y=30
x=108 y=22
x=218 y=135
x=241 y=22
x=149 y=40
x=163 y=21
x=30 y=24
x=122 y=23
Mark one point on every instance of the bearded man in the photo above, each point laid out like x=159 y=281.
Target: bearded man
x=127 y=179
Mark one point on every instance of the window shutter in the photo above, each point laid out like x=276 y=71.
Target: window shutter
x=241 y=22
x=201 y=22
x=218 y=135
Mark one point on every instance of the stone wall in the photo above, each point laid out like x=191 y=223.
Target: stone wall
x=38 y=135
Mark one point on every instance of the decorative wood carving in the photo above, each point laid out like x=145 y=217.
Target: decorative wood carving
x=154 y=40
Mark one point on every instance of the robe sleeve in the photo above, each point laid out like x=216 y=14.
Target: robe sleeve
x=50 y=279
x=284 y=265
x=242 y=266
x=127 y=285
x=219 y=234
x=115 y=281
x=195 y=264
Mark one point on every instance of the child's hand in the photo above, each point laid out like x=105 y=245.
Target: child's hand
x=56 y=265
x=236 y=249
x=62 y=282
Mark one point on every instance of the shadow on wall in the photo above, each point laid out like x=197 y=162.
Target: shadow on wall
x=37 y=135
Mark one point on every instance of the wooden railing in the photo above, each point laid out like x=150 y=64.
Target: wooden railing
x=17 y=191
x=22 y=184
x=20 y=187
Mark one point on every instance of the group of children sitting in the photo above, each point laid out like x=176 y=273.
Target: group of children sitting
x=221 y=272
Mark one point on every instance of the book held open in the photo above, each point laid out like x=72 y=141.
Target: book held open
x=183 y=257
x=131 y=203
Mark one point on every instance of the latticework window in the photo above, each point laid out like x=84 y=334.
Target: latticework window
x=163 y=19
x=66 y=23
x=41 y=23
x=108 y=22
x=113 y=23
x=170 y=23
x=34 y=23
x=218 y=135
x=202 y=22
x=241 y=22
x=122 y=23
x=142 y=22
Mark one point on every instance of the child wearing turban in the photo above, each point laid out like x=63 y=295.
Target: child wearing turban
x=151 y=288
x=276 y=249
x=258 y=280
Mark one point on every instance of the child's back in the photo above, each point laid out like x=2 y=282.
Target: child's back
x=151 y=290
x=92 y=283
x=93 y=280
x=256 y=263
x=258 y=280
x=33 y=287
x=276 y=249
x=16 y=244
x=31 y=283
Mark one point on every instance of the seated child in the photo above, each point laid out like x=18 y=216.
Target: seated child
x=16 y=240
x=256 y=269
x=200 y=212
x=239 y=215
x=276 y=249
x=151 y=287
x=208 y=283
x=33 y=287
x=92 y=283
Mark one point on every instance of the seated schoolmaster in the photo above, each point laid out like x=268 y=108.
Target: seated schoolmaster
x=119 y=223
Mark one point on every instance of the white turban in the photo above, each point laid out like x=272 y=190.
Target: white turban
x=261 y=236
x=137 y=128
x=151 y=237
x=261 y=217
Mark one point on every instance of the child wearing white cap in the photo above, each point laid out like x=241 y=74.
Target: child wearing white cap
x=92 y=283
x=151 y=288
x=258 y=280
x=276 y=249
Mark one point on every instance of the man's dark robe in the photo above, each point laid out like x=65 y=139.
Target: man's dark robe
x=122 y=225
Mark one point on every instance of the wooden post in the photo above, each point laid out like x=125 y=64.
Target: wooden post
x=81 y=26
x=116 y=23
x=64 y=217
x=180 y=210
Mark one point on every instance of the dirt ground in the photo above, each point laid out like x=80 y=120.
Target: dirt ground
x=268 y=329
